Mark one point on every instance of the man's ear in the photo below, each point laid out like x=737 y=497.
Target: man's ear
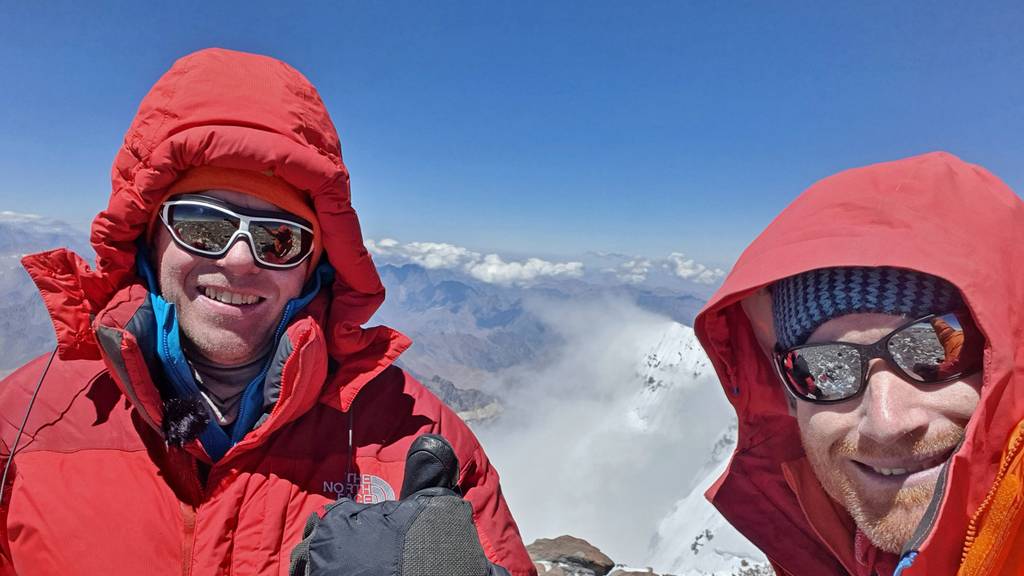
x=758 y=308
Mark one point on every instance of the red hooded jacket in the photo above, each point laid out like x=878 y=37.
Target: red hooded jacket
x=931 y=213
x=95 y=489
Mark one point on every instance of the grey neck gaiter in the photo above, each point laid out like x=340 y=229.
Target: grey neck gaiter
x=222 y=386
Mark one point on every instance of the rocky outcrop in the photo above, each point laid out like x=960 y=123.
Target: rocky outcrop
x=473 y=406
x=568 y=556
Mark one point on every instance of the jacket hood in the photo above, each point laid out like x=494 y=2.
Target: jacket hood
x=228 y=109
x=932 y=213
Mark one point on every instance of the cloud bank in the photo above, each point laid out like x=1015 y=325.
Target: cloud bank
x=636 y=270
x=490 y=268
x=495 y=269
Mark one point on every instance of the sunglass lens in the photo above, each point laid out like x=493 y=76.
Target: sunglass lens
x=828 y=372
x=934 y=350
x=279 y=243
x=201 y=227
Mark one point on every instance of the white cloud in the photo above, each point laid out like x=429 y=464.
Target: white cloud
x=438 y=255
x=382 y=247
x=494 y=270
x=690 y=269
x=427 y=254
x=489 y=268
x=634 y=271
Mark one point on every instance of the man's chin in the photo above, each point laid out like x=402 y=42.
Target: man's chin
x=889 y=524
x=224 y=347
x=887 y=511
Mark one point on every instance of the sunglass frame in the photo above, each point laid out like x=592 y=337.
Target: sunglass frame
x=245 y=217
x=867 y=352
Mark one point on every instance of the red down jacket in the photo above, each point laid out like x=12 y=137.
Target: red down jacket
x=94 y=489
x=932 y=213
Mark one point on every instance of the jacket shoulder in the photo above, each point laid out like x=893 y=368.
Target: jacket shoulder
x=74 y=397
x=404 y=396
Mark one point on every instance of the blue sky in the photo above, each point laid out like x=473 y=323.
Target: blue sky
x=543 y=128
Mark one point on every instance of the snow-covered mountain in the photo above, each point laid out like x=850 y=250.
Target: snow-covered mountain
x=694 y=539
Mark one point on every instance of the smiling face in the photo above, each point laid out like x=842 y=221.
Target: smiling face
x=880 y=454
x=227 y=308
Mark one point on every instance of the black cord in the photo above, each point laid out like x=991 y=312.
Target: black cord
x=24 y=422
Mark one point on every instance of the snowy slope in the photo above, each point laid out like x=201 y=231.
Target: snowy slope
x=673 y=368
x=693 y=539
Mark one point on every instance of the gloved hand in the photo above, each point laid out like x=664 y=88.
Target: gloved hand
x=429 y=532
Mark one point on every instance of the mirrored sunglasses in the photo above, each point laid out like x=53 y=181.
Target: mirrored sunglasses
x=208 y=227
x=935 y=349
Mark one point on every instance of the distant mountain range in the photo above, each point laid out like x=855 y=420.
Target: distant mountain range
x=25 y=328
x=465 y=330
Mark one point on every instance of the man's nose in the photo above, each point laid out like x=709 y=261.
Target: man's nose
x=892 y=408
x=239 y=258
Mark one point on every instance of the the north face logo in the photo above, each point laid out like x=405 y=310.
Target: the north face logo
x=363 y=488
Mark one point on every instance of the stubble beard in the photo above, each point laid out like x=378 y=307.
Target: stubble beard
x=225 y=348
x=888 y=521
x=222 y=344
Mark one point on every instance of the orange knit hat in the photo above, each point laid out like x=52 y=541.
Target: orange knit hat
x=263 y=186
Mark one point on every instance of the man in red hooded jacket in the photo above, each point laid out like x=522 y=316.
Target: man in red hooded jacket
x=869 y=340
x=212 y=385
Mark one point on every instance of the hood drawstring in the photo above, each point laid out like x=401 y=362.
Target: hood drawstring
x=24 y=422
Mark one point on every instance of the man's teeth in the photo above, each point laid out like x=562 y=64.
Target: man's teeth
x=898 y=471
x=229 y=297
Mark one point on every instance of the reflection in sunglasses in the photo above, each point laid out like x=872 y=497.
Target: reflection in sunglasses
x=932 y=349
x=208 y=228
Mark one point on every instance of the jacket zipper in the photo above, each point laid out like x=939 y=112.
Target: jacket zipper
x=189 y=512
x=1004 y=467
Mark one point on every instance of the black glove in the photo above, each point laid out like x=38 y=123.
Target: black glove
x=429 y=532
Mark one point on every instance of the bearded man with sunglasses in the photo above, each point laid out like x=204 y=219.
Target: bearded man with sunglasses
x=212 y=385
x=870 y=342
